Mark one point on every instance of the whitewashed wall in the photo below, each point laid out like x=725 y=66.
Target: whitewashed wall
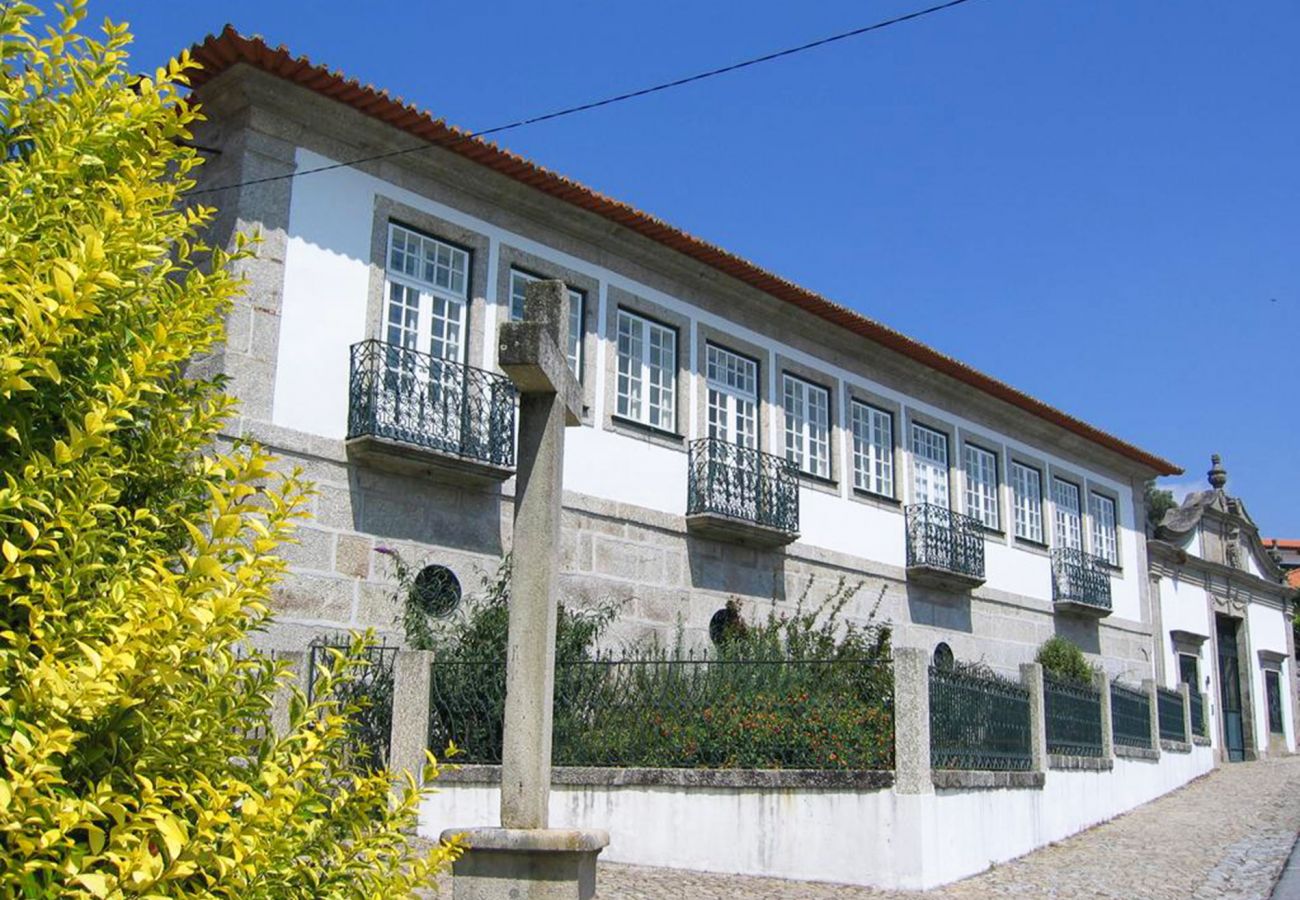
x=324 y=311
x=1268 y=631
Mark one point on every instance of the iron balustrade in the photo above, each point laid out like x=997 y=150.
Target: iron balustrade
x=1197 y=702
x=1072 y=711
x=742 y=483
x=978 y=722
x=658 y=712
x=1079 y=577
x=366 y=695
x=1130 y=716
x=1169 y=709
x=939 y=538
x=415 y=398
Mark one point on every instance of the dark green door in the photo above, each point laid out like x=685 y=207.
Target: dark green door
x=1230 y=689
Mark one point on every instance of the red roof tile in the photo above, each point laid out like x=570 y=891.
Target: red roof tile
x=221 y=52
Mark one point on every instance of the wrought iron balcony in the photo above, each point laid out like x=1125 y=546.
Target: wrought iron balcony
x=1080 y=582
x=944 y=548
x=415 y=410
x=740 y=494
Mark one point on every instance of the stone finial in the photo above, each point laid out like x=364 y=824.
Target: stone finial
x=1217 y=475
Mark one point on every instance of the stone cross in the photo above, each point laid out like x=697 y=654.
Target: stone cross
x=532 y=353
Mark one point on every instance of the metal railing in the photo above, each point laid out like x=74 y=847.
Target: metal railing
x=939 y=538
x=742 y=483
x=1072 y=711
x=978 y=722
x=1197 y=702
x=1169 y=710
x=415 y=398
x=1130 y=716
x=1079 y=577
x=367 y=696
x=683 y=713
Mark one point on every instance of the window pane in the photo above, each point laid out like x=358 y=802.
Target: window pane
x=873 y=449
x=733 y=400
x=1065 y=498
x=930 y=466
x=807 y=426
x=981 y=485
x=1102 y=512
x=429 y=261
x=647 y=371
x=1026 y=486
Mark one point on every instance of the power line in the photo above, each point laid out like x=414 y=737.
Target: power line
x=607 y=101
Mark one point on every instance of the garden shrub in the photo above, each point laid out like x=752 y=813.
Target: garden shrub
x=1063 y=659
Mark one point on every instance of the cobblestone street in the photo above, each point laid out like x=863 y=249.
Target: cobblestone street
x=1166 y=849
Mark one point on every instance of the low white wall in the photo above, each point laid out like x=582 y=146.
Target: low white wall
x=869 y=837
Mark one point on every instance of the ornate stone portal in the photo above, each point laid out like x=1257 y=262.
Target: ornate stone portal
x=525 y=858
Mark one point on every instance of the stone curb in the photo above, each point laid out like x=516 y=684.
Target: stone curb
x=595 y=776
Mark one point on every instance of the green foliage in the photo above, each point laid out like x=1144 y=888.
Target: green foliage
x=1158 y=502
x=136 y=754
x=1062 y=657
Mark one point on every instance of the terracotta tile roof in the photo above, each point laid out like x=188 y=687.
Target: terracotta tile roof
x=221 y=52
x=1283 y=543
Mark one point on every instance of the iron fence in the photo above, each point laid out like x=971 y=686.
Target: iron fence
x=1197 y=701
x=1072 y=711
x=939 y=538
x=978 y=722
x=1079 y=577
x=684 y=713
x=1130 y=716
x=1169 y=710
x=415 y=398
x=367 y=696
x=742 y=483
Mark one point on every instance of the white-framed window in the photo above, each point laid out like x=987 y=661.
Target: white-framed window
x=1027 y=501
x=519 y=282
x=1101 y=512
x=427 y=293
x=732 y=382
x=929 y=466
x=807 y=425
x=981 y=468
x=647 y=372
x=873 y=448
x=1065 y=501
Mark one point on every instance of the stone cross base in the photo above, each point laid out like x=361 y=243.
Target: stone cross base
x=526 y=863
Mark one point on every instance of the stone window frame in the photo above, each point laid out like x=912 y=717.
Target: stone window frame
x=510 y=257
x=782 y=366
x=762 y=358
x=1094 y=487
x=619 y=299
x=855 y=392
x=388 y=211
x=1039 y=465
x=912 y=417
x=1002 y=479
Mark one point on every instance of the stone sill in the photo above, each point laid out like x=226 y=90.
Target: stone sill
x=1136 y=753
x=1175 y=746
x=965 y=779
x=1200 y=741
x=599 y=776
x=1067 y=763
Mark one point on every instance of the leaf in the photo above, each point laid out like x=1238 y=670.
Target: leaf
x=172 y=834
x=10 y=551
x=94 y=882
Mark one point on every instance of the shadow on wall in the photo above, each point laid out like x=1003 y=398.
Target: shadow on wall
x=402 y=507
x=733 y=569
x=1084 y=632
x=941 y=609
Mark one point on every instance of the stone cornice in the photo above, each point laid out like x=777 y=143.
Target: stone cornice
x=1166 y=559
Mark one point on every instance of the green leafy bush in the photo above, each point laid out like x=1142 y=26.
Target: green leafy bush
x=1062 y=658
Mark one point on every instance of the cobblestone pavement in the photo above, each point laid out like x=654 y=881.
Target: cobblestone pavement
x=1224 y=836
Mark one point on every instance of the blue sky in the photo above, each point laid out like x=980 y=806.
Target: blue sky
x=1096 y=202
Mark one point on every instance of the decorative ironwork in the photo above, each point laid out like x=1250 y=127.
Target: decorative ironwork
x=415 y=398
x=683 y=713
x=1197 y=702
x=1072 y=711
x=742 y=483
x=1130 y=716
x=436 y=591
x=1079 y=577
x=978 y=722
x=939 y=538
x=1169 y=709
x=367 y=695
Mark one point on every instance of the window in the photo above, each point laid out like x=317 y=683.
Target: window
x=929 y=466
x=519 y=282
x=1273 y=696
x=873 y=449
x=807 y=426
x=427 y=290
x=733 y=396
x=1189 y=671
x=981 y=485
x=1101 y=510
x=1065 y=498
x=1027 y=501
x=647 y=372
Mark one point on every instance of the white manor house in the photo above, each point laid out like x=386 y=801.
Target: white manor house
x=742 y=436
